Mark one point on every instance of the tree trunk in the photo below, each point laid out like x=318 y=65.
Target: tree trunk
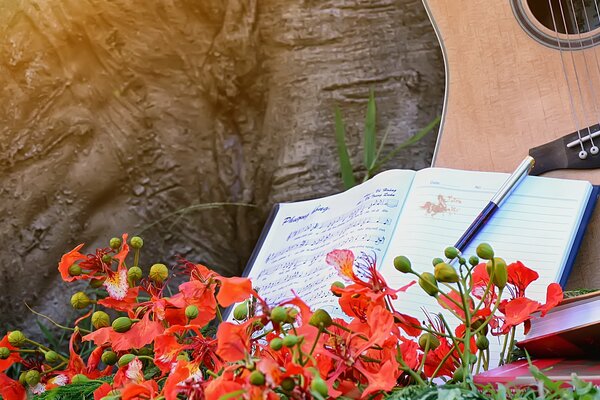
x=118 y=114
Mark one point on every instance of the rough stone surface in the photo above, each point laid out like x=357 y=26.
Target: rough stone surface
x=117 y=114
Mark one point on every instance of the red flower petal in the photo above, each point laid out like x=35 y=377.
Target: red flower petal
x=233 y=341
x=343 y=261
x=554 y=295
x=11 y=389
x=234 y=290
x=520 y=276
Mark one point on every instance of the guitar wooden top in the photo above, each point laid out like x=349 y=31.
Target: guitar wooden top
x=506 y=92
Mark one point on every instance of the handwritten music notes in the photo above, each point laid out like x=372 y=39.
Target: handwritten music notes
x=292 y=257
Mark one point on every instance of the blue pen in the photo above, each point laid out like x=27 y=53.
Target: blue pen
x=505 y=190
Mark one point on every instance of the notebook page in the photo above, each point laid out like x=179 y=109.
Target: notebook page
x=292 y=257
x=536 y=225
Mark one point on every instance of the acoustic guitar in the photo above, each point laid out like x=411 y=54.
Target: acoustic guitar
x=523 y=77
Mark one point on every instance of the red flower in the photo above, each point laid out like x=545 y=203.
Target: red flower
x=233 y=340
x=141 y=333
x=520 y=277
x=11 y=389
x=139 y=391
x=14 y=357
x=517 y=311
x=554 y=295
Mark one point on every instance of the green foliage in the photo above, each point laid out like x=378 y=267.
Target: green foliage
x=80 y=391
x=372 y=161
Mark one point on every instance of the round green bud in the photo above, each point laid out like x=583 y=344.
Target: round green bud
x=337 y=284
x=122 y=324
x=473 y=260
x=22 y=377
x=75 y=270
x=451 y=252
x=458 y=375
x=109 y=357
x=288 y=384
x=80 y=378
x=320 y=386
x=497 y=269
x=191 y=312
x=485 y=251
x=292 y=313
x=257 y=378
x=107 y=259
x=434 y=342
x=96 y=283
x=482 y=342
x=321 y=319
x=16 y=338
x=290 y=340
x=125 y=359
x=115 y=243
x=276 y=344
x=436 y=261
x=32 y=377
x=136 y=242
x=462 y=261
x=158 y=273
x=4 y=353
x=51 y=356
x=477 y=324
x=100 y=319
x=80 y=300
x=278 y=315
x=402 y=264
x=444 y=272
x=134 y=273
x=240 y=312
x=428 y=283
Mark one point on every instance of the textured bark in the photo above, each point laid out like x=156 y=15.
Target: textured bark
x=115 y=114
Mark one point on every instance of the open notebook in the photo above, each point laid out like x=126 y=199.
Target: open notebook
x=418 y=214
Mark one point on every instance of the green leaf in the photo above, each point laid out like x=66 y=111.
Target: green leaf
x=344 y=158
x=50 y=338
x=370 y=127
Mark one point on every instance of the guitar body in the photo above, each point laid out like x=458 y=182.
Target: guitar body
x=512 y=84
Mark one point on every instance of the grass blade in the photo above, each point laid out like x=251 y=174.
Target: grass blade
x=345 y=164
x=370 y=126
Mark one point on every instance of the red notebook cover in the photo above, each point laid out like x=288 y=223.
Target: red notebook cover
x=557 y=369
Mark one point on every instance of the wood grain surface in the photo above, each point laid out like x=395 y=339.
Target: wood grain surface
x=506 y=93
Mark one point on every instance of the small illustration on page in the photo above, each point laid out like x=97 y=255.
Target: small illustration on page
x=445 y=205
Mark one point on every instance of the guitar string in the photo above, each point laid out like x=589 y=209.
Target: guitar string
x=577 y=79
x=582 y=153
x=594 y=149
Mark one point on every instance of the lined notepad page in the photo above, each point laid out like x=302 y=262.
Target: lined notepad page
x=292 y=257
x=536 y=225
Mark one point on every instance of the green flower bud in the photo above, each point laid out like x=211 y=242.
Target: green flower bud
x=321 y=319
x=115 y=243
x=96 y=283
x=473 y=260
x=288 y=384
x=100 y=319
x=257 y=378
x=337 y=284
x=482 y=342
x=136 y=242
x=191 y=312
x=477 y=324
x=80 y=378
x=498 y=271
x=32 y=377
x=75 y=270
x=22 y=377
x=436 y=261
x=276 y=344
x=16 y=338
x=402 y=264
x=240 y=312
x=278 y=315
x=292 y=313
x=462 y=261
x=434 y=342
x=290 y=340
x=134 y=273
x=80 y=300
x=4 y=353
x=320 y=386
x=459 y=375
x=122 y=324
x=125 y=359
x=428 y=283
x=445 y=273
x=158 y=273
x=107 y=259
x=109 y=357
x=485 y=251
x=51 y=356
x=451 y=252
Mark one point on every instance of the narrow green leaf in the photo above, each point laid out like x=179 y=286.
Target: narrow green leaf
x=344 y=158
x=370 y=134
x=410 y=141
x=50 y=338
